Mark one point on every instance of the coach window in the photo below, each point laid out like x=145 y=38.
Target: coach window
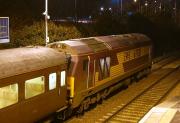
x=34 y=87
x=63 y=78
x=8 y=95
x=52 y=81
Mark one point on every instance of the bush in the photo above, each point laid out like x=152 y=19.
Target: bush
x=35 y=34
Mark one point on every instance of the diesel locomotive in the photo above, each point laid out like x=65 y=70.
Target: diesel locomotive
x=68 y=76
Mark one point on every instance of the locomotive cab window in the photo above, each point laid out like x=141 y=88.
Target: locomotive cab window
x=85 y=65
x=63 y=78
x=52 y=81
x=8 y=95
x=107 y=66
x=104 y=64
x=34 y=87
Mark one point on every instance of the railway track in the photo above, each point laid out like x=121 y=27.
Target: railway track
x=161 y=63
x=109 y=108
x=133 y=111
x=96 y=115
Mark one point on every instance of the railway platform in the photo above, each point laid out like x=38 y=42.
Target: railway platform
x=168 y=111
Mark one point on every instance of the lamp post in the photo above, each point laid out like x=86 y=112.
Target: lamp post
x=146 y=4
x=46 y=22
x=137 y=5
x=155 y=4
x=175 y=10
x=121 y=8
x=160 y=6
x=75 y=6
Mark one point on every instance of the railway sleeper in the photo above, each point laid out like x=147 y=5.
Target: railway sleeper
x=140 y=105
x=123 y=120
x=129 y=109
x=130 y=116
x=132 y=112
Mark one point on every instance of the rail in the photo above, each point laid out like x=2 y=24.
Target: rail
x=134 y=110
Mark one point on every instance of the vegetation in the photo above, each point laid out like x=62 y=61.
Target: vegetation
x=35 y=35
x=160 y=28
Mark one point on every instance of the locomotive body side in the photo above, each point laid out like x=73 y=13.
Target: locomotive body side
x=101 y=65
x=103 y=83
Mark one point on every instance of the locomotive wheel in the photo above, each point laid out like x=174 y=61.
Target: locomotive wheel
x=61 y=116
x=100 y=101
x=86 y=104
x=105 y=94
x=80 y=110
x=98 y=97
x=64 y=115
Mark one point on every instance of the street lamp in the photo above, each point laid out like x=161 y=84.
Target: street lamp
x=155 y=6
x=102 y=8
x=110 y=9
x=138 y=5
x=121 y=7
x=160 y=6
x=175 y=9
x=146 y=4
x=46 y=22
x=75 y=6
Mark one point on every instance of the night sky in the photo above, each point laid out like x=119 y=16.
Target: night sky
x=57 y=8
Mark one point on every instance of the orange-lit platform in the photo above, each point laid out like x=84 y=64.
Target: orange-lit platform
x=168 y=111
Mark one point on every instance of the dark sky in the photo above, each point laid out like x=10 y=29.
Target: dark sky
x=67 y=7
x=57 y=8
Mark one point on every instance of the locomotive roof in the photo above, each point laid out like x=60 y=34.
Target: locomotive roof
x=101 y=43
x=80 y=46
x=125 y=40
x=21 y=60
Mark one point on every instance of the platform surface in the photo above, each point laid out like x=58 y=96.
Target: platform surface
x=168 y=111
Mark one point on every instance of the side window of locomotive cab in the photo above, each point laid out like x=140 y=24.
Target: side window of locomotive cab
x=85 y=65
x=8 y=95
x=102 y=65
x=52 y=81
x=34 y=87
x=63 y=78
x=101 y=68
x=107 y=66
